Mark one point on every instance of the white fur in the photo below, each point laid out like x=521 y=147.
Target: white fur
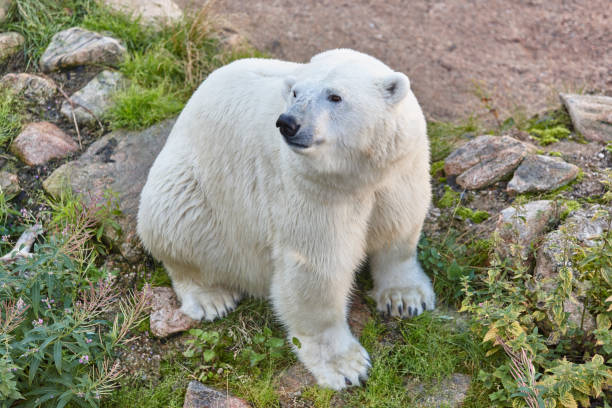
x=230 y=208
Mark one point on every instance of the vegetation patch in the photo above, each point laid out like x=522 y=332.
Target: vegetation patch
x=61 y=320
x=443 y=136
x=550 y=127
x=11 y=117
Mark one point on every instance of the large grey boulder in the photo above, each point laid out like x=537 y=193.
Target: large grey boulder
x=541 y=173
x=119 y=162
x=96 y=97
x=591 y=115
x=77 y=46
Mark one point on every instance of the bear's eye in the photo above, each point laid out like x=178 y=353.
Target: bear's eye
x=294 y=94
x=334 y=98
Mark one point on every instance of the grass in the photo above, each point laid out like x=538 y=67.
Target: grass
x=138 y=107
x=163 y=66
x=427 y=349
x=443 y=136
x=39 y=20
x=11 y=117
x=165 y=393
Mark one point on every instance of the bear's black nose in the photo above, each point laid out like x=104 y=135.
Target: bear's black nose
x=288 y=125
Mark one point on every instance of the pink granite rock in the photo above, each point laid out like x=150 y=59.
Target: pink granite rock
x=40 y=142
x=166 y=318
x=485 y=160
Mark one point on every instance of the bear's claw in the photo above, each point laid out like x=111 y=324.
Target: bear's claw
x=405 y=302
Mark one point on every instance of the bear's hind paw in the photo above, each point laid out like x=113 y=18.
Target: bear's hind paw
x=209 y=304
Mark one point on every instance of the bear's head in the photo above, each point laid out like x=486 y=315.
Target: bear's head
x=348 y=114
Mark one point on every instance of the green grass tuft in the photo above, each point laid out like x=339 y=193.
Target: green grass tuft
x=11 y=117
x=39 y=20
x=138 y=107
x=444 y=135
x=137 y=37
x=550 y=127
x=429 y=348
x=167 y=393
x=477 y=216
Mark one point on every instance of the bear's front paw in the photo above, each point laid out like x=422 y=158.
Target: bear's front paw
x=406 y=301
x=336 y=362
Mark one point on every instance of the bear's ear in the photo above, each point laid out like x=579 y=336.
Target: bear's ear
x=287 y=85
x=395 y=87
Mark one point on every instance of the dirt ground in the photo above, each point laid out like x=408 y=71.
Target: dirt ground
x=521 y=53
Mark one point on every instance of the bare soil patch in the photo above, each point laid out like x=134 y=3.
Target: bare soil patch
x=520 y=53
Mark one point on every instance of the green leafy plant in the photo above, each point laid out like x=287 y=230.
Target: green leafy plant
x=79 y=222
x=57 y=342
x=550 y=361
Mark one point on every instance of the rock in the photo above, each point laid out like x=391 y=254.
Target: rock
x=200 y=396
x=166 y=318
x=151 y=12
x=550 y=259
x=76 y=46
x=541 y=173
x=9 y=184
x=33 y=87
x=448 y=393
x=10 y=44
x=5 y=5
x=119 y=161
x=42 y=141
x=293 y=379
x=485 y=160
x=97 y=96
x=588 y=225
x=230 y=38
x=591 y=115
x=519 y=228
x=584 y=227
x=486 y=173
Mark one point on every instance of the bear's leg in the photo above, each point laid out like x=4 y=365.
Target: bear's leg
x=401 y=288
x=199 y=301
x=313 y=306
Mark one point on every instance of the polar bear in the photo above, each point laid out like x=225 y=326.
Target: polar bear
x=278 y=180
